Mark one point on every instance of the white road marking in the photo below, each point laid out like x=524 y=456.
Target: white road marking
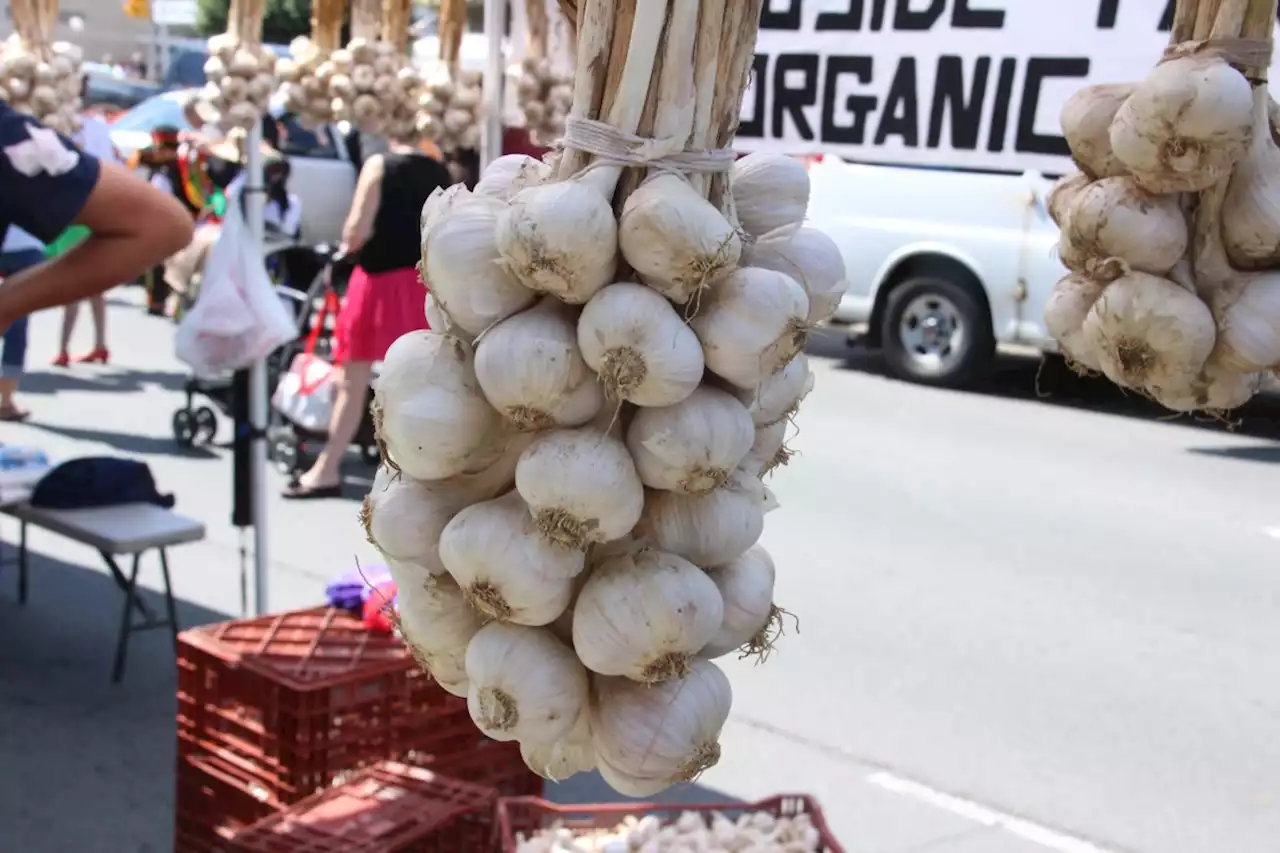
x=1273 y=532
x=1041 y=835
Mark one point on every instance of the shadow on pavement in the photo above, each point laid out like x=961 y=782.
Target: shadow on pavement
x=1050 y=381
x=51 y=382
x=148 y=445
x=70 y=736
x=590 y=788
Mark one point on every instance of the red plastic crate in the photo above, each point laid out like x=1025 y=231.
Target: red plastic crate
x=529 y=814
x=486 y=762
x=215 y=800
x=387 y=808
x=298 y=698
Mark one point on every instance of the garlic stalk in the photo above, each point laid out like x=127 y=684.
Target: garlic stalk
x=639 y=346
x=506 y=571
x=437 y=626
x=581 y=486
x=707 y=530
x=649 y=737
x=643 y=617
x=752 y=325
x=1086 y=123
x=693 y=446
x=525 y=684
x=531 y=371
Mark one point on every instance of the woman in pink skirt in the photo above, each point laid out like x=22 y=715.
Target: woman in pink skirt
x=385 y=297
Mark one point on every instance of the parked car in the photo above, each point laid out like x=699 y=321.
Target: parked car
x=108 y=89
x=323 y=175
x=944 y=265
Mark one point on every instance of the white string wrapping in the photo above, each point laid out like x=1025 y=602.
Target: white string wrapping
x=612 y=147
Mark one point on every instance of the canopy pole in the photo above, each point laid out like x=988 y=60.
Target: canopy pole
x=495 y=24
x=255 y=203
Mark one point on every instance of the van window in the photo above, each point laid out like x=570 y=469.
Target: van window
x=298 y=141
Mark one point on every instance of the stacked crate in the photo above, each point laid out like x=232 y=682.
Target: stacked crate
x=273 y=709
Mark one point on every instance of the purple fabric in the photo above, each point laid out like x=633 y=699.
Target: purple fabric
x=350 y=589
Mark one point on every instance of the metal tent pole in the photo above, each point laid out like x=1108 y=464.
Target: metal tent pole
x=255 y=201
x=495 y=23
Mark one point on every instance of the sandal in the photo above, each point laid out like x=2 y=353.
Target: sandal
x=298 y=492
x=16 y=416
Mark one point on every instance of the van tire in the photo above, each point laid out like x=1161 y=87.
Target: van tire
x=935 y=332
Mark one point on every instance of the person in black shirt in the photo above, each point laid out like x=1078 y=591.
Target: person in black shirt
x=385 y=297
x=47 y=184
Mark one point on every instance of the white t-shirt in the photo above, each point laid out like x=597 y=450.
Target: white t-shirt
x=95 y=138
x=17 y=240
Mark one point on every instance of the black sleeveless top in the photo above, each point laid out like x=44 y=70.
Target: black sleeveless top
x=407 y=180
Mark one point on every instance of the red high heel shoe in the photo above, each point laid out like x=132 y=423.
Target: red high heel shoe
x=61 y=360
x=99 y=355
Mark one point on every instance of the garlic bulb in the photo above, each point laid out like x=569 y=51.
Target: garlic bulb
x=649 y=737
x=509 y=174
x=746 y=587
x=403 y=519
x=1086 y=123
x=1251 y=211
x=241 y=81
x=769 y=450
x=544 y=97
x=693 y=446
x=525 y=684
x=1185 y=126
x=770 y=193
x=506 y=571
x=439 y=203
x=811 y=258
x=450 y=108
x=751 y=325
x=429 y=411
x=1064 y=315
x=779 y=396
x=644 y=616
x=530 y=370
x=676 y=240
x=439 y=321
x=373 y=86
x=639 y=346
x=1062 y=196
x=1216 y=388
x=708 y=530
x=560 y=239
x=581 y=487
x=1115 y=218
x=304 y=82
x=44 y=81
x=437 y=626
x=570 y=755
x=1249 y=330
x=464 y=269
x=1148 y=333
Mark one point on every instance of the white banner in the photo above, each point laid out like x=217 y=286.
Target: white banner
x=962 y=83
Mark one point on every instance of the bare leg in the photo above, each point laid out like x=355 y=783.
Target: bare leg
x=70 y=313
x=98 y=304
x=348 y=410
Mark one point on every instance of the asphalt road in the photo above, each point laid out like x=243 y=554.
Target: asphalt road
x=1027 y=624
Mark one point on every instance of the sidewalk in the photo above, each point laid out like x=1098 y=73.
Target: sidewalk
x=89 y=766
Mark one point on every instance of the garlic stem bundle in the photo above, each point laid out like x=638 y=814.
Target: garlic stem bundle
x=43 y=79
x=524 y=684
x=644 y=616
x=240 y=77
x=693 y=446
x=649 y=737
x=506 y=571
x=746 y=588
x=531 y=371
x=450 y=107
x=437 y=626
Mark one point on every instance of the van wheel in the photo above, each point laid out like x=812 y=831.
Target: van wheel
x=934 y=332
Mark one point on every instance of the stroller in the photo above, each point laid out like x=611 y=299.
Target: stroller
x=290 y=447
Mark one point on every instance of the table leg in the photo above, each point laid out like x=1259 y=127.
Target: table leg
x=128 y=588
x=168 y=598
x=126 y=621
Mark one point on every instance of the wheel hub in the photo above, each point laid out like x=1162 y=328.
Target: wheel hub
x=933 y=333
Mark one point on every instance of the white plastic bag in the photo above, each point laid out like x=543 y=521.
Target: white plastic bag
x=238 y=318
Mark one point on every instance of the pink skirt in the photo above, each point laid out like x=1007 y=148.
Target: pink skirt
x=378 y=309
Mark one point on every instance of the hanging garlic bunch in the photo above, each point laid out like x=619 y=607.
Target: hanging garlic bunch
x=372 y=85
x=450 y=107
x=543 y=96
x=304 y=81
x=628 y=321
x=43 y=80
x=240 y=79
x=1170 y=231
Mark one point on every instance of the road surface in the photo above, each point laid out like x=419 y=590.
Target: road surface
x=1027 y=625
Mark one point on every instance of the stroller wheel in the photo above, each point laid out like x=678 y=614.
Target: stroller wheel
x=286 y=455
x=206 y=424
x=184 y=427
x=369 y=453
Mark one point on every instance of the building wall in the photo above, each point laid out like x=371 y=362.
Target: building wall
x=107 y=29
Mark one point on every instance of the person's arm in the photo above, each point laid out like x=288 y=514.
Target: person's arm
x=47 y=185
x=291 y=220
x=364 y=206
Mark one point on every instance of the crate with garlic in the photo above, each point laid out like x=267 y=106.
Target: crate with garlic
x=784 y=824
x=1171 y=238
x=572 y=493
